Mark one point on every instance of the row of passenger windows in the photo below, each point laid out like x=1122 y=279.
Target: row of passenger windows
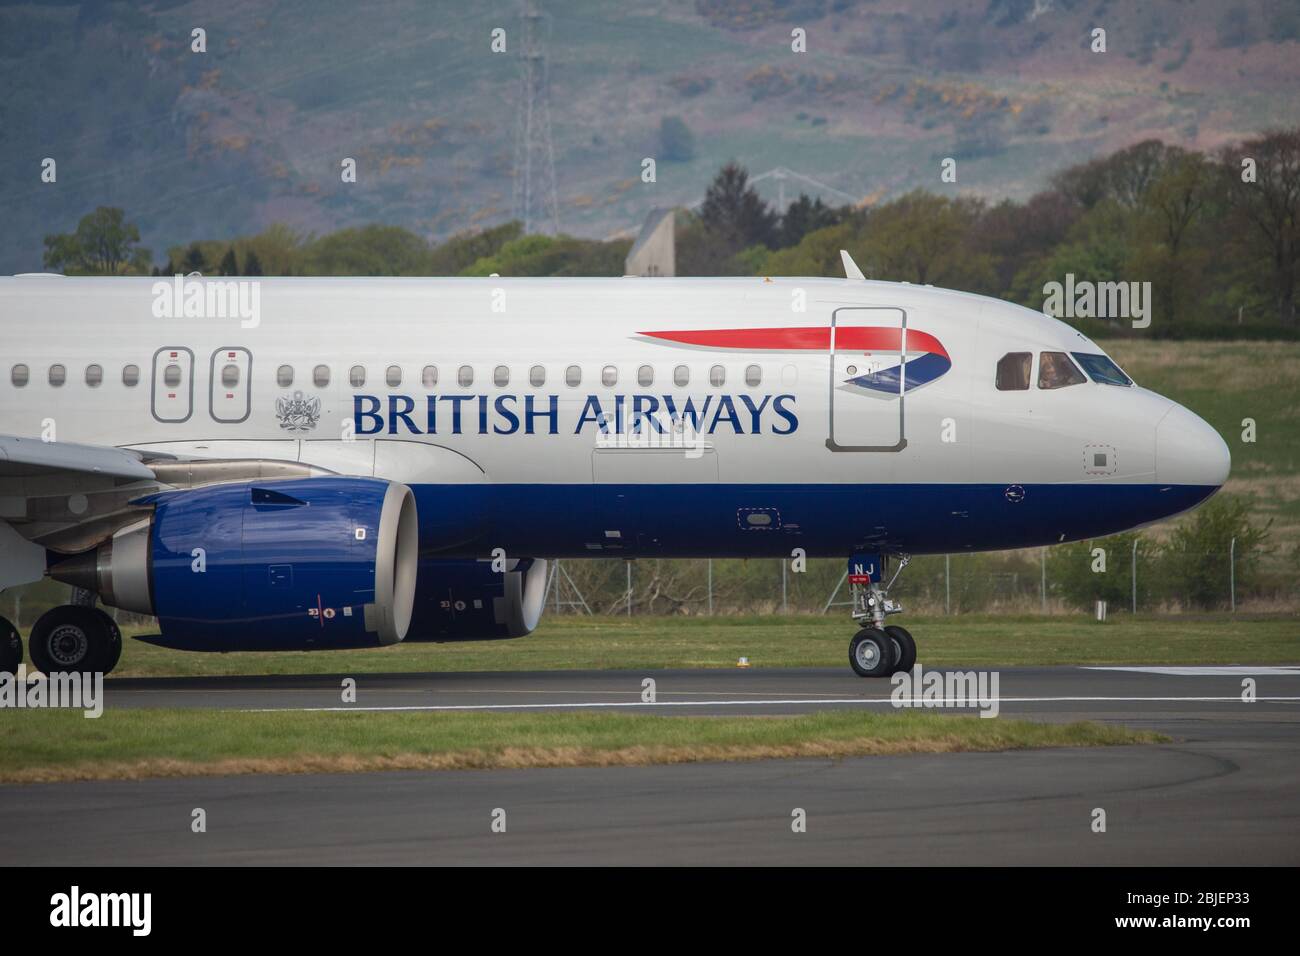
x=1055 y=370
x=20 y=375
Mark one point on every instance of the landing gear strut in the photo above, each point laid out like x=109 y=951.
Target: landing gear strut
x=877 y=650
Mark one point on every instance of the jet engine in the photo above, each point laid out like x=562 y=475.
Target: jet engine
x=295 y=564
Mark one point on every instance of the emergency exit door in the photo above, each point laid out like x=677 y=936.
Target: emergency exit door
x=173 y=384
x=868 y=351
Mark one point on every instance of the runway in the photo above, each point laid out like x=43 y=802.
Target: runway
x=1225 y=792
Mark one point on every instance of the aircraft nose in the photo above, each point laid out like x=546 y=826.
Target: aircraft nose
x=1189 y=451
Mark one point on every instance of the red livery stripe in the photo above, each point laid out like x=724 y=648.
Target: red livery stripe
x=852 y=337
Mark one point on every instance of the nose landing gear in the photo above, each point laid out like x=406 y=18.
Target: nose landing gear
x=877 y=650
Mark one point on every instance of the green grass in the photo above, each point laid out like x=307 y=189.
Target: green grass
x=1225 y=382
x=56 y=745
x=776 y=641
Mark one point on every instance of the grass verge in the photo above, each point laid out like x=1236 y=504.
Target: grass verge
x=585 y=643
x=59 y=745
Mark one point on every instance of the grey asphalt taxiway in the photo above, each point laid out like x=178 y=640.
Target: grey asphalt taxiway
x=1226 y=791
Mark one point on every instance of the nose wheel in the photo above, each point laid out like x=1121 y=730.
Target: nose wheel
x=872 y=653
x=877 y=650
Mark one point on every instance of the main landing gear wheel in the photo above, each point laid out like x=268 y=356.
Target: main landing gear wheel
x=904 y=648
x=113 y=650
x=871 y=653
x=11 y=648
x=74 y=639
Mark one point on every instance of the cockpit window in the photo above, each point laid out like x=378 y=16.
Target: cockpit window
x=1055 y=370
x=1101 y=369
x=1013 y=371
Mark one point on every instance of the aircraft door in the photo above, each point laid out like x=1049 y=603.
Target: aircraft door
x=173 y=384
x=868 y=348
x=229 y=384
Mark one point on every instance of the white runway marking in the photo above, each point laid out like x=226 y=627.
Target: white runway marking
x=964 y=705
x=1212 y=670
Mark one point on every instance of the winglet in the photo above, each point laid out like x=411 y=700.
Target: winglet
x=851 y=270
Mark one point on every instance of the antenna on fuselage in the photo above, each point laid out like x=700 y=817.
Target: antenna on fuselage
x=851 y=270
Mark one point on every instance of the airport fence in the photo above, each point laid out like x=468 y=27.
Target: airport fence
x=1060 y=580
x=1066 y=579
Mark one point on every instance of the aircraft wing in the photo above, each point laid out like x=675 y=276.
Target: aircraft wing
x=31 y=457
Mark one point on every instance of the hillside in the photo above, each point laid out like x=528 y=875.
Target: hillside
x=252 y=132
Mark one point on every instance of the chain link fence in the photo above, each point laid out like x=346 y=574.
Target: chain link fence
x=1065 y=579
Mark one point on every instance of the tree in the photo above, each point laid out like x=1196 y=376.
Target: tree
x=803 y=216
x=368 y=251
x=734 y=213
x=1077 y=576
x=193 y=260
x=104 y=243
x=676 y=142
x=252 y=264
x=1269 y=209
x=923 y=238
x=229 y=265
x=1196 y=557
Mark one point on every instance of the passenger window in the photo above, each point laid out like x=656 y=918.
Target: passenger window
x=573 y=376
x=320 y=375
x=394 y=376
x=1013 y=371
x=356 y=376
x=501 y=376
x=537 y=376
x=284 y=376
x=429 y=377
x=717 y=376
x=130 y=375
x=753 y=376
x=465 y=376
x=681 y=375
x=19 y=375
x=609 y=376
x=645 y=376
x=230 y=376
x=94 y=375
x=1055 y=370
x=171 y=376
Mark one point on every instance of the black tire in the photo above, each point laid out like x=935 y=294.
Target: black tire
x=11 y=648
x=871 y=653
x=70 y=639
x=904 y=648
x=113 y=650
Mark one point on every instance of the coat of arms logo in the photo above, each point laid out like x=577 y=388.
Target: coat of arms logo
x=297 y=414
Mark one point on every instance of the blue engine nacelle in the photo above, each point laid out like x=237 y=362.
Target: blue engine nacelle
x=294 y=564
x=468 y=601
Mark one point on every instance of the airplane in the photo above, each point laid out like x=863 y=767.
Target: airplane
x=321 y=463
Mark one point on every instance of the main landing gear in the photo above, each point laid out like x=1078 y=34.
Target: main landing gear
x=877 y=650
x=75 y=638
x=11 y=648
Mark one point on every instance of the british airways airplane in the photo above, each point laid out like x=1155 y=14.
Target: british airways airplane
x=301 y=463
